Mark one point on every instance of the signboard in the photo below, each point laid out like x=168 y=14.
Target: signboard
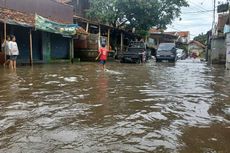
x=223 y=8
x=44 y=24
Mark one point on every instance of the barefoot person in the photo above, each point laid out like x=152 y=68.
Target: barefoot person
x=14 y=52
x=103 y=54
x=5 y=45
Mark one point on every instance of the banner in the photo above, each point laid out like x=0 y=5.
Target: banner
x=44 y=24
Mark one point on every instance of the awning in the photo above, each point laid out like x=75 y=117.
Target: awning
x=45 y=24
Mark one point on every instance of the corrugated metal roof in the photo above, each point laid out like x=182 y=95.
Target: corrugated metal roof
x=179 y=33
x=17 y=18
x=155 y=30
x=14 y=17
x=21 y=18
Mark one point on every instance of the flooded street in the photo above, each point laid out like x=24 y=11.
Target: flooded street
x=153 y=107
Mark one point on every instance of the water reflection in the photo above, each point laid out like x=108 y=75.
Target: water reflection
x=102 y=86
x=153 y=107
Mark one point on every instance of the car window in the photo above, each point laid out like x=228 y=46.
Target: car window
x=180 y=51
x=166 y=46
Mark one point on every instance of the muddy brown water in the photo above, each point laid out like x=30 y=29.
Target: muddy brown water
x=161 y=108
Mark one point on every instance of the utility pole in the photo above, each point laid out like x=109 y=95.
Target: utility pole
x=5 y=30
x=213 y=30
x=214 y=16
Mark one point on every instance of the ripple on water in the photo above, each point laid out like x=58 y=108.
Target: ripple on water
x=151 y=116
x=147 y=108
x=17 y=113
x=6 y=123
x=48 y=123
x=70 y=79
x=64 y=136
x=18 y=105
x=52 y=82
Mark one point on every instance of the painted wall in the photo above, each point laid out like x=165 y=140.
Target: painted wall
x=80 y=6
x=60 y=47
x=228 y=57
x=195 y=48
x=37 y=46
x=218 y=51
x=227 y=41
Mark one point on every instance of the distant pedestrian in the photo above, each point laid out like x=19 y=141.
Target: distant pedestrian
x=5 y=45
x=14 y=52
x=103 y=54
x=194 y=55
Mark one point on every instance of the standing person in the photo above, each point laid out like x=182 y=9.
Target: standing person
x=5 y=45
x=103 y=54
x=14 y=52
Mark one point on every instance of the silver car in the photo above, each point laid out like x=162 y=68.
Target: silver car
x=166 y=51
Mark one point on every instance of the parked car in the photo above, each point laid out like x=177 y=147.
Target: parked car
x=166 y=51
x=181 y=54
x=137 y=52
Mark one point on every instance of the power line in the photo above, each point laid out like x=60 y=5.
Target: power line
x=203 y=2
x=207 y=11
x=194 y=19
x=198 y=6
x=201 y=25
x=198 y=9
x=195 y=6
x=180 y=30
x=197 y=25
x=214 y=14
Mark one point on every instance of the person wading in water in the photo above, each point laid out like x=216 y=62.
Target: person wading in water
x=103 y=54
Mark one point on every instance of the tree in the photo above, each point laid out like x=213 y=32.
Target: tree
x=138 y=14
x=202 y=38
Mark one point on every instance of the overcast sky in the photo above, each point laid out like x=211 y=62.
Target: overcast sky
x=196 y=18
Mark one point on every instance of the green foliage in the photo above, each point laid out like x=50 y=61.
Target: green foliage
x=202 y=38
x=104 y=11
x=138 y=14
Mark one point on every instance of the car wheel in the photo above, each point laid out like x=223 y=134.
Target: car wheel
x=174 y=60
x=138 y=61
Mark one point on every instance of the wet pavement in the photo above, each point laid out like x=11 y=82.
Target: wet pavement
x=161 y=108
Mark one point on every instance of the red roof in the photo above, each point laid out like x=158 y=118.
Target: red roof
x=12 y=16
x=155 y=30
x=197 y=43
x=63 y=1
x=21 y=17
x=180 y=33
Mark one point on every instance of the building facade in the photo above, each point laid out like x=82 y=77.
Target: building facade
x=197 y=48
x=79 y=6
x=35 y=45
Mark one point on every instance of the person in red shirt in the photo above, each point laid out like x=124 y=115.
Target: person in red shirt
x=103 y=54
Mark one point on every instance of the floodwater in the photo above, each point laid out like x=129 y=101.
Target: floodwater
x=157 y=108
